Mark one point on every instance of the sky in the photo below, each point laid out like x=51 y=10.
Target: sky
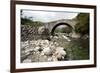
x=48 y=16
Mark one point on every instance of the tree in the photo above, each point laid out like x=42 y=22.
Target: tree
x=83 y=25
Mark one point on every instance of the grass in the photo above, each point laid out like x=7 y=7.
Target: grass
x=76 y=50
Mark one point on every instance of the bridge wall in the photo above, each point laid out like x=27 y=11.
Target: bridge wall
x=52 y=24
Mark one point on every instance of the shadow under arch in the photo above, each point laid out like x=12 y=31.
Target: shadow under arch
x=53 y=29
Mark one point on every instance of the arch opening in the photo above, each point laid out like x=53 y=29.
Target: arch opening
x=59 y=24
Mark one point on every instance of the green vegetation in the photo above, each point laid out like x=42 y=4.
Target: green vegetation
x=83 y=25
x=58 y=30
x=28 y=21
x=24 y=21
x=77 y=50
x=65 y=29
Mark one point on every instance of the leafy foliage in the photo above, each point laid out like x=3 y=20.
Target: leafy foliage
x=77 y=49
x=28 y=21
x=83 y=25
x=63 y=30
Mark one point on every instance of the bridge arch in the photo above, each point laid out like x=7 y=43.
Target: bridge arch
x=59 y=24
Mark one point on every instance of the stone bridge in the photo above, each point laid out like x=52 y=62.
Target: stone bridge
x=52 y=25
